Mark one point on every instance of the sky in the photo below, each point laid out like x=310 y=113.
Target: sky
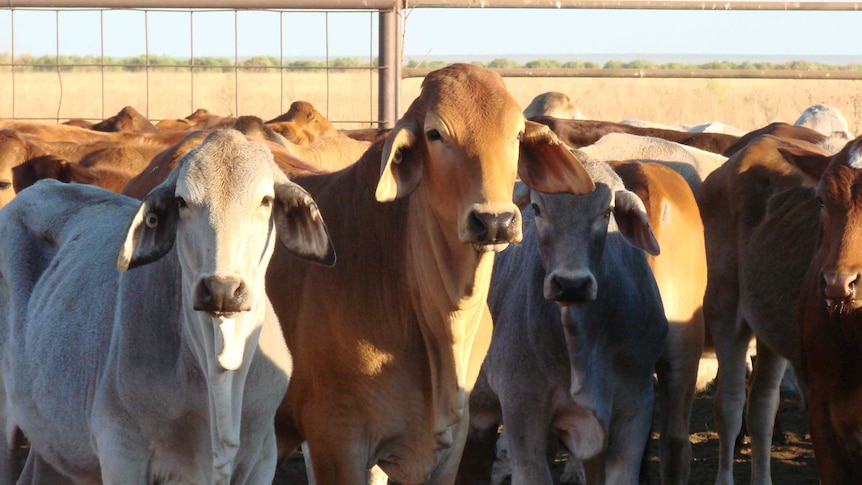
x=457 y=34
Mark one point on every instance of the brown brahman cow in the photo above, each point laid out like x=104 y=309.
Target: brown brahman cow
x=760 y=222
x=302 y=124
x=680 y=272
x=387 y=343
x=830 y=316
x=127 y=120
x=50 y=167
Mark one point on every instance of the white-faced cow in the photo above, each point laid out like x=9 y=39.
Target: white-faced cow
x=388 y=342
x=169 y=370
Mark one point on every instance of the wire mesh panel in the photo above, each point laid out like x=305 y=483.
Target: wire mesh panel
x=167 y=63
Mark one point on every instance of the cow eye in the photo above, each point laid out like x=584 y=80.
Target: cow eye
x=266 y=202
x=820 y=203
x=181 y=203
x=536 y=209
x=433 y=135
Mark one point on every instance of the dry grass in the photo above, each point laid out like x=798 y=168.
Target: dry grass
x=351 y=98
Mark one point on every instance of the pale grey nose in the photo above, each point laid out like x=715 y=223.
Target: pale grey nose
x=219 y=295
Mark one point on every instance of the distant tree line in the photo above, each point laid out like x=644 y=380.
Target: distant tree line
x=202 y=64
x=268 y=63
x=643 y=64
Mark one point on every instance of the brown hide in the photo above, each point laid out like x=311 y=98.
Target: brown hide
x=388 y=342
x=129 y=151
x=760 y=216
x=580 y=133
x=308 y=135
x=201 y=119
x=680 y=272
x=165 y=161
x=254 y=128
x=302 y=123
x=33 y=170
x=780 y=130
x=15 y=149
x=830 y=318
x=128 y=119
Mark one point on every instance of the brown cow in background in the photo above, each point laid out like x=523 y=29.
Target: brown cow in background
x=831 y=316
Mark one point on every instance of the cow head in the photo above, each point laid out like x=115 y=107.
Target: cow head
x=222 y=208
x=15 y=149
x=839 y=251
x=50 y=167
x=462 y=144
x=572 y=231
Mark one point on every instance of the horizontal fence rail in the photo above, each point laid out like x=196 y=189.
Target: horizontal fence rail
x=401 y=4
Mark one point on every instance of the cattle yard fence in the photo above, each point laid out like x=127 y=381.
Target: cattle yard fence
x=384 y=64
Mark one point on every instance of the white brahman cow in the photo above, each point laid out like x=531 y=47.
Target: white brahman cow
x=169 y=370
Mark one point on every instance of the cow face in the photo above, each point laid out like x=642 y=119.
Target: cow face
x=839 y=192
x=462 y=144
x=221 y=208
x=14 y=150
x=572 y=233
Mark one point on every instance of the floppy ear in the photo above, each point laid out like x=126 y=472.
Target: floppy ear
x=810 y=163
x=521 y=195
x=153 y=229
x=633 y=221
x=547 y=165
x=397 y=176
x=300 y=226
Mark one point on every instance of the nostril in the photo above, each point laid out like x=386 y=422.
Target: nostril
x=219 y=295
x=573 y=290
x=838 y=286
x=478 y=225
x=489 y=227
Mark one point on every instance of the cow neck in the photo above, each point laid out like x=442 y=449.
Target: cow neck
x=449 y=287
x=182 y=357
x=225 y=389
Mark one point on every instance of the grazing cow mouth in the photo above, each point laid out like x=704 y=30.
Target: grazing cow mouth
x=843 y=305
x=489 y=247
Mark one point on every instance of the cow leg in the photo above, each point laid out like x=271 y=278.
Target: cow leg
x=731 y=345
x=677 y=371
x=477 y=461
x=832 y=463
x=627 y=440
x=339 y=463
x=525 y=431
x=37 y=471
x=763 y=399
x=376 y=476
x=447 y=464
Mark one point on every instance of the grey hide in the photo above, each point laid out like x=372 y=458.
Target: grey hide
x=155 y=374
x=560 y=362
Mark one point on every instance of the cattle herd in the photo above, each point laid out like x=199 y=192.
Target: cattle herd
x=193 y=301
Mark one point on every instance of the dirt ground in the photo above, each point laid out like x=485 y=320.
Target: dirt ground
x=792 y=455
